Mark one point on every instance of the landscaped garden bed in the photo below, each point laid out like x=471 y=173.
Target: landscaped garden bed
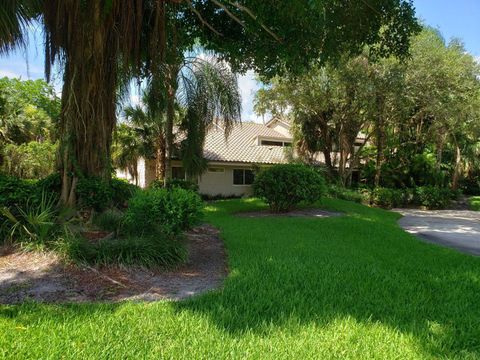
x=45 y=277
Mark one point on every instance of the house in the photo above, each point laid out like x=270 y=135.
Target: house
x=231 y=160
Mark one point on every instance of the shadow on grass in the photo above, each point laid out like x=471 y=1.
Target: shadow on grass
x=362 y=266
x=301 y=275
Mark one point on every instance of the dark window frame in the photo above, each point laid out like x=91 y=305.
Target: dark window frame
x=247 y=177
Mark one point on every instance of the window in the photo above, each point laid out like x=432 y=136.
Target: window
x=216 y=170
x=274 y=143
x=178 y=173
x=243 y=177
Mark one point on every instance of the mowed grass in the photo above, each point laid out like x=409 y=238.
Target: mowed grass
x=475 y=203
x=349 y=287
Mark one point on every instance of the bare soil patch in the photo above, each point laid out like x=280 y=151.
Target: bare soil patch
x=46 y=278
x=294 y=213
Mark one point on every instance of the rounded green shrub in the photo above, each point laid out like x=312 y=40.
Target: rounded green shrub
x=433 y=197
x=285 y=186
x=387 y=197
x=162 y=210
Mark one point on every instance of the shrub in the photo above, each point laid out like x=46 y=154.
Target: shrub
x=122 y=192
x=433 y=197
x=387 y=198
x=175 y=183
x=35 y=222
x=169 y=211
x=31 y=160
x=15 y=192
x=149 y=252
x=93 y=192
x=109 y=220
x=475 y=203
x=340 y=192
x=284 y=186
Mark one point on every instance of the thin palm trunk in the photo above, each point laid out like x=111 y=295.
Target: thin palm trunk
x=171 y=89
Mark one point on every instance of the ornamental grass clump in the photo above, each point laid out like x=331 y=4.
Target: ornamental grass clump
x=285 y=186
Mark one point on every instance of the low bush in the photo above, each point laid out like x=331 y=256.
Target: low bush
x=285 y=186
x=32 y=223
x=387 y=198
x=175 y=183
x=475 y=203
x=15 y=192
x=433 y=197
x=343 y=193
x=95 y=193
x=122 y=192
x=162 y=210
x=109 y=220
x=145 y=251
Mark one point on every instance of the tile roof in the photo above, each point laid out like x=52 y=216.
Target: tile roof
x=240 y=146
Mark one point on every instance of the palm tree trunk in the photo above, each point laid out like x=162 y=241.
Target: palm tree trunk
x=171 y=89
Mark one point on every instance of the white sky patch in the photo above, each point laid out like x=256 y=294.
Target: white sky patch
x=248 y=87
x=8 y=74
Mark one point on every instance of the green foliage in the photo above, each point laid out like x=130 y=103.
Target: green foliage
x=36 y=222
x=33 y=160
x=474 y=203
x=14 y=191
x=299 y=288
x=109 y=220
x=122 y=191
x=182 y=184
x=433 y=197
x=387 y=198
x=284 y=186
x=161 y=210
x=343 y=193
x=98 y=194
x=146 y=251
x=93 y=193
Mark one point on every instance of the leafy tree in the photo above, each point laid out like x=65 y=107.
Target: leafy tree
x=32 y=160
x=100 y=45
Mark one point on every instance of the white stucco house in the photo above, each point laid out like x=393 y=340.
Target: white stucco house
x=232 y=160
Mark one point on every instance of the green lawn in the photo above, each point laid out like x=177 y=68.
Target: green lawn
x=475 y=203
x=348 y=287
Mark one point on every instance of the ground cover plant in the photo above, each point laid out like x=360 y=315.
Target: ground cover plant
x=475 y=203
x=354 y=286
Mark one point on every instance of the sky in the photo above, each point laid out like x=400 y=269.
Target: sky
x=455 y=19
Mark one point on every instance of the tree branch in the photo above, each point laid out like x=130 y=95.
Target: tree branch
x=202 y=20
x=254 y=17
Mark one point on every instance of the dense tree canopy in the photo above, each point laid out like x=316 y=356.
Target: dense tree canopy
x=420 y=116
x=101 y=44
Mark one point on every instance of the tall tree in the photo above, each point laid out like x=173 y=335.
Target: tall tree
x=94 y=39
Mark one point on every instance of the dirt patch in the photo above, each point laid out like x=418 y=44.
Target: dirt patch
x=294 y=213
x=44 y=277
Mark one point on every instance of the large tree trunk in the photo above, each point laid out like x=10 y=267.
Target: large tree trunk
x=88 y=103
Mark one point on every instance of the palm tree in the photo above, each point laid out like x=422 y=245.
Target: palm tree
x=208 y=91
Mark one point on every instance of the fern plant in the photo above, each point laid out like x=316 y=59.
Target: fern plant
x=37 y=222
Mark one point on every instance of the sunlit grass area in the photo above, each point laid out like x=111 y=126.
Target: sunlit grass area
x=348 y=287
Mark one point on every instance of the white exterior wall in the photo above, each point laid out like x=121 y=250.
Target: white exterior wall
x=281 y=128
x=221 y=183
x=145 y=170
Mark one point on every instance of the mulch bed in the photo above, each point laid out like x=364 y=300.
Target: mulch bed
x=44 y=277
x=313 y=212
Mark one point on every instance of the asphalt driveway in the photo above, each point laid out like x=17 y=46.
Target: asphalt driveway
x=458 y=229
